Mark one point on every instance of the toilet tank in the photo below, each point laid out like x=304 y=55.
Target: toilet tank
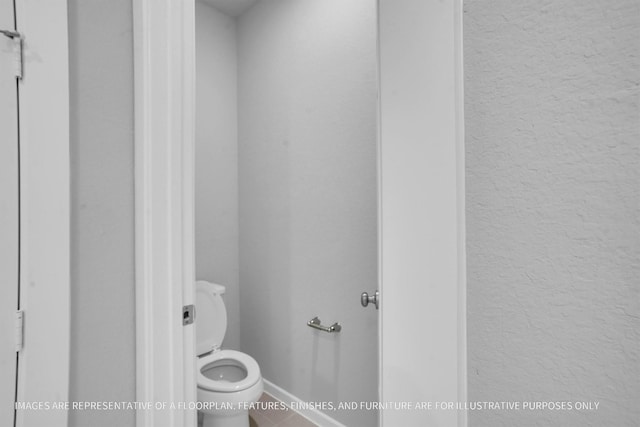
x=211 y=317
x=214 y=288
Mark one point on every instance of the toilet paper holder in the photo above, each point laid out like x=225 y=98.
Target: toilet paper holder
x=317 y=324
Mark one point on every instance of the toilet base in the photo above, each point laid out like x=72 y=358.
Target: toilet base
x=239 y=419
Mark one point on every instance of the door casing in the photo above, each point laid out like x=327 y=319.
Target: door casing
x=164 y=79
x=421 y=182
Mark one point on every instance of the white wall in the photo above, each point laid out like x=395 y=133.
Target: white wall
x=102 y=217
x=307 y=168
x=216 y=183
x=553 y=208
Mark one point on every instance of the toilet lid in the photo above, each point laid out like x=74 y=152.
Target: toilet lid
x=211 y=318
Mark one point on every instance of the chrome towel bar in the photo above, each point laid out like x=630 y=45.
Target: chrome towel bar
x=317 y=324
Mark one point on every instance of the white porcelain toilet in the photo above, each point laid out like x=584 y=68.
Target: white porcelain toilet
x=229 y=381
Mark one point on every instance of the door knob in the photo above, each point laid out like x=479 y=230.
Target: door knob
x=365 y=299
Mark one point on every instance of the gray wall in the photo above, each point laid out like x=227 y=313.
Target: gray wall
x=102 y=217
x=216 y=162
x=553 y=208
x=307 y=179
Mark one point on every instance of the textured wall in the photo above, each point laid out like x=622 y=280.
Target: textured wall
x=553 y=208
x=307 y=167
x=216 y=200
x=102 y=217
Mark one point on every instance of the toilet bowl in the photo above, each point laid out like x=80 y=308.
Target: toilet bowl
x=228 y=381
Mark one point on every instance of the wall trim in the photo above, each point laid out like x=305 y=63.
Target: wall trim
x=313 y=415
x=164 y=67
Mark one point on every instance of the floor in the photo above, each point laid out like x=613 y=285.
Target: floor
x=273 y=413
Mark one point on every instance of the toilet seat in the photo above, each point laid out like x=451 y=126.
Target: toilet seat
x=248 y=362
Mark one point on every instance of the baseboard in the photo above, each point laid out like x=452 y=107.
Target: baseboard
x=313 y=415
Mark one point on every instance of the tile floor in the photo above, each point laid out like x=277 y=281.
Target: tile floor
x=272 y=413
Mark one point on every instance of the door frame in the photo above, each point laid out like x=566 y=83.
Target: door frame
x=43 y=363
x=164 y=80
x=164 y=61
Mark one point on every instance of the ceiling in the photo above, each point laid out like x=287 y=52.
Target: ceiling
x=231 y=7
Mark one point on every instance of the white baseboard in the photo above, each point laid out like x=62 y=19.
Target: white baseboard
x=313 y=415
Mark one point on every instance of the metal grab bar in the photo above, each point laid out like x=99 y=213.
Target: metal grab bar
x=10 y=34
x=317 y=324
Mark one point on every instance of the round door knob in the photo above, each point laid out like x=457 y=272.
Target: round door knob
x=365 y=299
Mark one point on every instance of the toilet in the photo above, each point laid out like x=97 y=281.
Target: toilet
x=229 y=381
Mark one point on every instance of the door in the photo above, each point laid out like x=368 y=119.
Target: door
x=422 y=205
x=9 y=214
